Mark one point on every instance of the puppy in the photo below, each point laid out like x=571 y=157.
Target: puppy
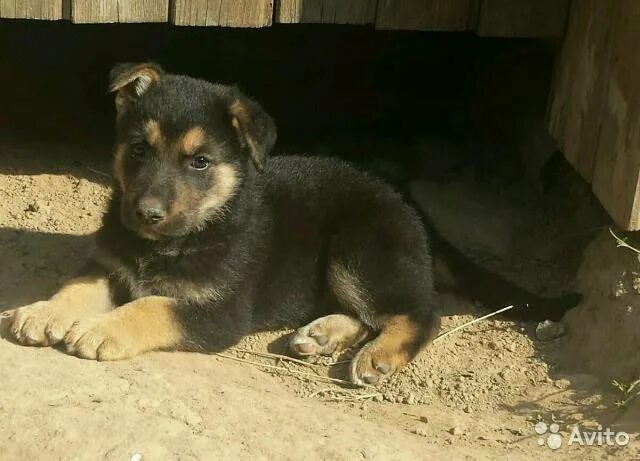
x=205 y=241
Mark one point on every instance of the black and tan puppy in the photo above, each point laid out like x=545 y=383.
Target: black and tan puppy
x=205 y=241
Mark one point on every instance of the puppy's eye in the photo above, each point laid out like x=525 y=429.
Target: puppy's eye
x=199 y=162
x=137 y=151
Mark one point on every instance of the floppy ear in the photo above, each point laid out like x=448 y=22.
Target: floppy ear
x=256 y=129
x=130 y=81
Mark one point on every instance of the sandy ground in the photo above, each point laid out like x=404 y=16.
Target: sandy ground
x=474 y=395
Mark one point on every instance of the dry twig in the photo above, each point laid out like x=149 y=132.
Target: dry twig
x=293 y=372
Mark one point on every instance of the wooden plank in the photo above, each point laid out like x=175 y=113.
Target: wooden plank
x=522 y=18
x=31 y=9
x=425 y=14
x=580 y=83
x=101 y=11
x=326 y=11
x=616 y=179
x=226 y=13
x=143 y=10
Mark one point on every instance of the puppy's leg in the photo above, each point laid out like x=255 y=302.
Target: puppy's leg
x=400 y=339
x=143 y=325
x=45 y=322
x=328 y=335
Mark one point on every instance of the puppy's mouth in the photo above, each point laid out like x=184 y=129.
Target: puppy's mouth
x=171 y=226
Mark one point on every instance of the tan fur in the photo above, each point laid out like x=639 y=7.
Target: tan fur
x=192 y=140
x=241 y=119
x=45 y=322
x=132 y=84
x=153 y=133
x=224 y=187
x=142 y=325
x=340 y=331
x=389 y=352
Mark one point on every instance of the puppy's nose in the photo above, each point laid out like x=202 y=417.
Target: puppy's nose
x=150 y=211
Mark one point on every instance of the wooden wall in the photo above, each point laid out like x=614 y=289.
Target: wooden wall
x=595 y=108
x=513 y=18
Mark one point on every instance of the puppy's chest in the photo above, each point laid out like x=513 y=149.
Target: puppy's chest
x=170 y=275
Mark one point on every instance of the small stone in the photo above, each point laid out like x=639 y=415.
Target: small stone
x=511 y=347
x=410 y=399
x=548 y=330
x=388 y=396
x=378 y=398
x=456 y=431
x=467 y=409
x=32 y=207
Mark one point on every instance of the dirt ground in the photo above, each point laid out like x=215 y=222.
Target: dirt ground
x=473 y=395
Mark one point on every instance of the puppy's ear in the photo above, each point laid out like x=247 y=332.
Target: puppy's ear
x=256 y=129
x=130 y=81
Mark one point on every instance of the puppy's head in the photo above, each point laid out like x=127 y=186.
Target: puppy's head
x=184 y=148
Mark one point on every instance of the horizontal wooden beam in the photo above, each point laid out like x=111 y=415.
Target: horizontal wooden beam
x=522 y=18
x=326 y=11
x=31 y=9
x=225 y=13
x=426 y=14
x=106 y=11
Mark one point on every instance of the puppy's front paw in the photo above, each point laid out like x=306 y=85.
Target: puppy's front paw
x=43 y=323
x=100 y=338
x=375 y=362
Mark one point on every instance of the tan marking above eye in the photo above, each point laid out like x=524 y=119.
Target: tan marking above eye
x=192 y=140
x=154 y=135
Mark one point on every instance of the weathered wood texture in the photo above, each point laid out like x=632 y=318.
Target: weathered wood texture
x=326 y=11
x=31 y=9
x=522 y=18
x=426 y=14
x=595 y=110
x=617 y=168
x=100 y=11
x=581 y=80
x=226 y=13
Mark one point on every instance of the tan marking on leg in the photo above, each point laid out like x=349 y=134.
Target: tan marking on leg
x=46 y=322
x=398 y=342
x=143 y=325
x=192 y=140
x=154 y=135
x=328 y=335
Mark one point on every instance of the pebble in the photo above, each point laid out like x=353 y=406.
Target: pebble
x=456 y=431
x=378 y=398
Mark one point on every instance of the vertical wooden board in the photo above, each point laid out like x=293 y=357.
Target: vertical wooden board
x=326 y=11
x=227 y=13
x=617 y=167
x=580 y=82
x=31 y=9
x=143 y=10
x=523 y=18
x=101 y=11
x=425 y=14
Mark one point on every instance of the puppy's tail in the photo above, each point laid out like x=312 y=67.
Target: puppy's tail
x=491 y=290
